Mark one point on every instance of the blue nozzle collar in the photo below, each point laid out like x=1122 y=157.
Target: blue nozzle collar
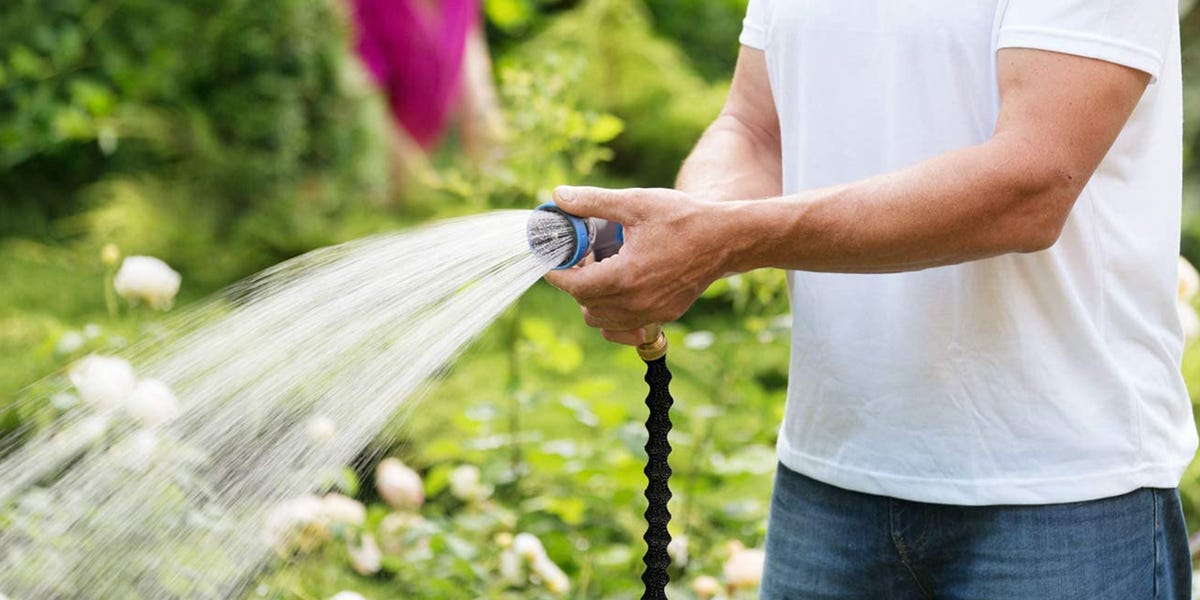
x=579 y=226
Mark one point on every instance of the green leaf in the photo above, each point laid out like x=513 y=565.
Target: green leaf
x=509 y=15
x=605 y=128
x=25 y=63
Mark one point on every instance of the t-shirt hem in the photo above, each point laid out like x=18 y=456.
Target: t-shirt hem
x=983 y=492
x=1082 y=44
x=753 y=35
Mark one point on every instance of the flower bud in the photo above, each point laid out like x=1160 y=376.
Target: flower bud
x=466 y=486
x=677 y=549
x=342 y=510
x=1189 y=320
x=551 y=575
x=320 y=429
x=147 y=279
x=399 y=485
x=297 y=525
x=151 y=403
x=365 y=557
x=1189 y=281
x=744 y=569
x=706 y=586
x=103 y=382
x=528 y=547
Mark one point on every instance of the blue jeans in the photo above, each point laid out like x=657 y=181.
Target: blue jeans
x=824 y=542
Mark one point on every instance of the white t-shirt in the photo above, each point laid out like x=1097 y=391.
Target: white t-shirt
x=1022 y=379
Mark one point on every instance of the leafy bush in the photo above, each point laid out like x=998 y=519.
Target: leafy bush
x=712 y=49
x=226 y=110
x=641 y=78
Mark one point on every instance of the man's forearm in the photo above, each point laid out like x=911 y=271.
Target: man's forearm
x=966 y=205
x=732 y=161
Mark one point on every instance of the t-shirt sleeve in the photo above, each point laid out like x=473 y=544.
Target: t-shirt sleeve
x=754 y=26
x=1133 y=33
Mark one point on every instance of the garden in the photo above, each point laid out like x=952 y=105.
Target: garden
x=152 y=154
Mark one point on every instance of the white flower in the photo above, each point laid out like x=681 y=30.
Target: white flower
x=103 y=381
x=320 y=429
x=342 y=510
x=147 y=279
x=69 y=343
x=297 y=524
x=465 y=484
x=706 y=586
x=677 y=549
x=365 y=557
x=527 y=546
x=92 y=331
x=106 y=139
x=399 y=485
x=1189 y=281
x=551 y=575
x=744 y=568
x=136 y=451
x=64 y=400
x=348 y=596
x=151 y=403
x=699 y=340
x=1189 y=320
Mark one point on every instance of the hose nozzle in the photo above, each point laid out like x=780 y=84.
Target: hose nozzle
x=564 y=240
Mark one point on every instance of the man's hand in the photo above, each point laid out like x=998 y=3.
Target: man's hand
x=668 y=258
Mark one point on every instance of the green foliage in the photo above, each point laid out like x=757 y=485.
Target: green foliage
x=238 y=114
x=553 y=137
x=641 y=78
x=712 y=49
x=1190 y=26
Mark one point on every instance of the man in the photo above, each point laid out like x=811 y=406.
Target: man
x=978 y=205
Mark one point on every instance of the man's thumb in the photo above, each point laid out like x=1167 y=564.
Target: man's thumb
x=610 y=205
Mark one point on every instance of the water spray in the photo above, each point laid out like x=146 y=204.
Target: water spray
x=565 y=240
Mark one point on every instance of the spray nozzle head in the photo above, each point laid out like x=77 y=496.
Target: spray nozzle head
x=563 y=239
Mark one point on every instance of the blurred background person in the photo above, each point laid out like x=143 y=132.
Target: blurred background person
x=430 y=59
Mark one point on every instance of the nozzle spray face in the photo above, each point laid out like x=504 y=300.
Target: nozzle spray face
x=563 y=239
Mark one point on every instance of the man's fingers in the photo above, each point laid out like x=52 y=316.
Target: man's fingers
x=557 y=279
x=633 y=337
x=616 y=320
x=622 y=206
x=593 y=281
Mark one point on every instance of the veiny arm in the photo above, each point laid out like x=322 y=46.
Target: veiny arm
x=738 y=156
x=1059 y=115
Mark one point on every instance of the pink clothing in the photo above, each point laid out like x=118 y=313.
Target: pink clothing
x=414 y=50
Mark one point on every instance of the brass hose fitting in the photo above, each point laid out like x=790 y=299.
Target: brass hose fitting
x=655 y=346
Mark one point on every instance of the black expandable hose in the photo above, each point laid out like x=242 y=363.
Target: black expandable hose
x=658 y=469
